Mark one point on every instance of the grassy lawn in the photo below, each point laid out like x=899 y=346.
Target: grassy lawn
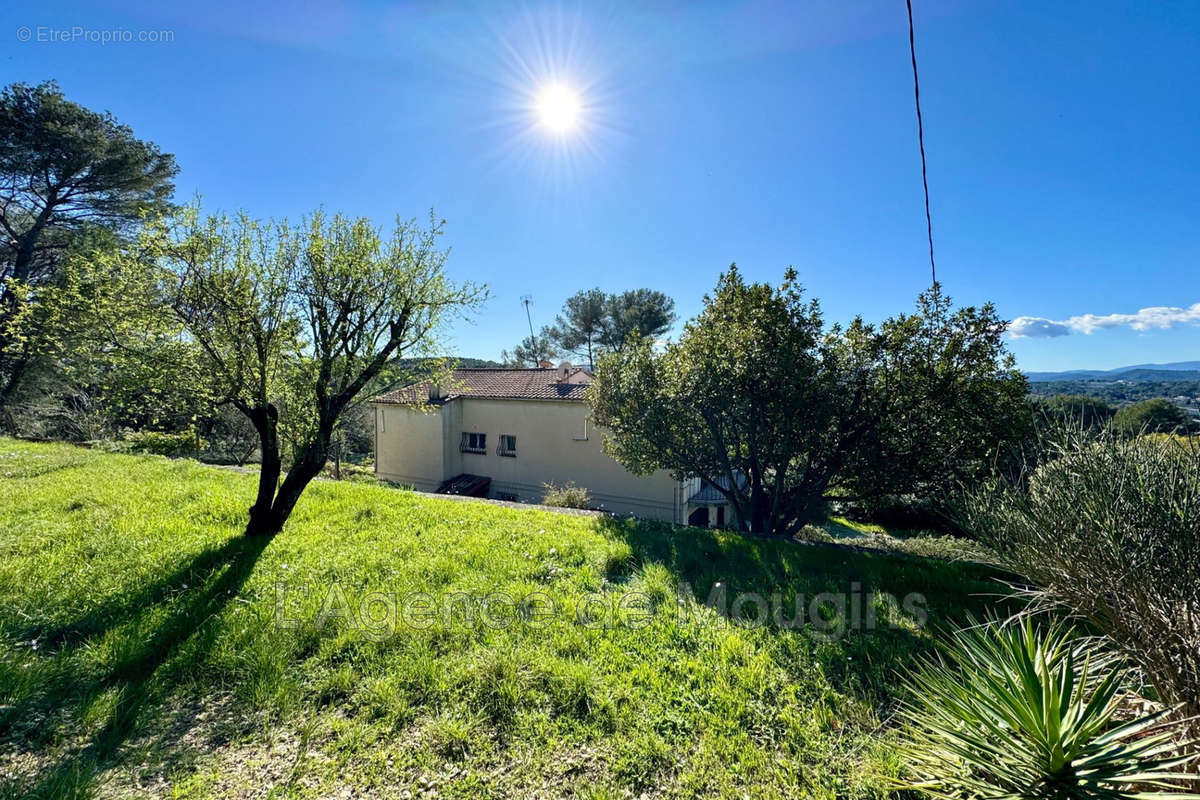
x=146 y=647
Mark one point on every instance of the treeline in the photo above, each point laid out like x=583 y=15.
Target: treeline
x=784 y=414
x=73 y=181
x=1093 y=414
x=124 y=315
x=1119 y=392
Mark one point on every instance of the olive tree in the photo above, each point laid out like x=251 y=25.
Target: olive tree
x=756 y=397
x=296 y=322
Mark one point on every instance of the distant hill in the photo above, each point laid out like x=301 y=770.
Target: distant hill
x=1174 y=366
x=1153 y=375
x=1175 y=371
x=461 y=361
x=405 y=370
x=475 y=363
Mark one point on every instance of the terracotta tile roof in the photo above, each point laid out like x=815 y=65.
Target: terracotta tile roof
x=497 y=383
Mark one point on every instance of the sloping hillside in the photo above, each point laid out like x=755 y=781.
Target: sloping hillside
x=466 y=650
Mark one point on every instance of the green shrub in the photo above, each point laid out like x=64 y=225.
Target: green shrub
x=165 y=444
x=157 y=443
x=351 y=472
x=568 y=495
x=1018 y=711
x=1110 y=530
x=1151 y=416
x=814 y=533
x=950 y=548
x=1079 y=411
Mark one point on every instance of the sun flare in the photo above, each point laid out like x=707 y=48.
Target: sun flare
x=558 y=108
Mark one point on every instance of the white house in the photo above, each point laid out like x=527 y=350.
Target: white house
x=519 y=428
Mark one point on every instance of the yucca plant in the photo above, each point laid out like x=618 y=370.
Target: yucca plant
x=1025 y=710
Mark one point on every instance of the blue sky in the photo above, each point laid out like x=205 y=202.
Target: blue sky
x=1062 y=141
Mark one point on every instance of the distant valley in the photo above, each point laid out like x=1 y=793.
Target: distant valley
x=1178 y=382
x=1174 y=371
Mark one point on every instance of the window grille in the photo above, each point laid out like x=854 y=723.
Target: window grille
x=473 y=443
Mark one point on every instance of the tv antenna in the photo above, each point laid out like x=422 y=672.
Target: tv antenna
x=527 y=301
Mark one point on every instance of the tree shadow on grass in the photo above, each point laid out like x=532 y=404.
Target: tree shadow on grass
x=142 y=677
x=861 y=657
x=120 y=609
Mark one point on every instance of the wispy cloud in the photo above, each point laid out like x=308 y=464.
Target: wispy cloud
x=1155 y=317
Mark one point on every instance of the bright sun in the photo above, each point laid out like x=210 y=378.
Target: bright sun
x=558 y=108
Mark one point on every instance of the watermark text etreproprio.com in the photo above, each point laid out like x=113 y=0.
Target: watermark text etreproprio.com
x=80 y=34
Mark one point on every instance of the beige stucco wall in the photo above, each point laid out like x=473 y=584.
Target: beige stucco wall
x=408 y=446
x=555 y=443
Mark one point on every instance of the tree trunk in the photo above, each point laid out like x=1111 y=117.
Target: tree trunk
x=759 y=505
x=277 y=500
x=27 y=245
x=262 y=519
x=12 y=370
x=11 y=306
x=8 y=423
x=302 y=471
x=245 y=456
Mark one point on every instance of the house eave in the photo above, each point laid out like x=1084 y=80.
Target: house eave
x=394 y=403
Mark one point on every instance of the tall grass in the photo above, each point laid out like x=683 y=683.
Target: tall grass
x=140 y=647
